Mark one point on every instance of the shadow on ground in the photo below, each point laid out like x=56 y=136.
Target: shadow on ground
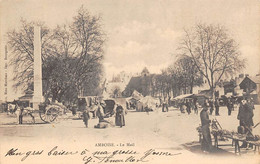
x=26 y=123
x=195 y=147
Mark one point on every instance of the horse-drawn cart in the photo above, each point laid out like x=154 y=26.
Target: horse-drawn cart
x=49 y=112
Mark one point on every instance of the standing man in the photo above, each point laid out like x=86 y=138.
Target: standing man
x=206 y=144
x=86 y=117
x=165 y=104
x=183 y=106
x=245 y=117
x=188 y=106
x=217 y=106
x=196 y=105
x=229 y=106
x=83 y=107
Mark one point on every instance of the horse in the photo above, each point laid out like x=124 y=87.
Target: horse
x=19 y=111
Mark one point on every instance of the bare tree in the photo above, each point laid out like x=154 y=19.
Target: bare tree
x=21 y=43
x=162 y=83
x=71 y=55
x=213 y=51
x=186 y=73
x=89 y=39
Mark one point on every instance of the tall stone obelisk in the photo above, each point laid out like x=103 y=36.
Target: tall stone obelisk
x=37 y=65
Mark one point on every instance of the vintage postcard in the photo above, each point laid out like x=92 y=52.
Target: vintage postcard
x=129 y=81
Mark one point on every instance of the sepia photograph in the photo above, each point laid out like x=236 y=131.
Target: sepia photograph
x=129 y=81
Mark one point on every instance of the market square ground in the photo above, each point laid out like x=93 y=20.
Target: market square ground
x=171 y=131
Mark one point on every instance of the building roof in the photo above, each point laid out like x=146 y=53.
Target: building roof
x=135 y=81
x=255 y=79
x=182 y=96
x=206 y=93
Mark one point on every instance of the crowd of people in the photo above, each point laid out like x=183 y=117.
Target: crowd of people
x=187 y=105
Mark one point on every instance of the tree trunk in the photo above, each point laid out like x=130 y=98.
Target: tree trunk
x=212 y=91
x=191 y=85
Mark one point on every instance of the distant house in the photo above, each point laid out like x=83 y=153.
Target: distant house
x=232 y=86
x=251 y=85
x=142 y=84
x=229 y=87
x=134 y=84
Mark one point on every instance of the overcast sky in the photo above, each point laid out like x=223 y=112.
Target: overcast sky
x=146 y=32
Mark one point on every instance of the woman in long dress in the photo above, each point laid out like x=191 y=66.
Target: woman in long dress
x=120 y=118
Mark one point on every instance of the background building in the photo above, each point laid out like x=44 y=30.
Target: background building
x=251 y=86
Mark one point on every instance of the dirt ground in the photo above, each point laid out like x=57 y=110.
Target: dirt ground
x=170 y=131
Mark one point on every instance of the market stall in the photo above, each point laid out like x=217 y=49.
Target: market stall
x=220 y=134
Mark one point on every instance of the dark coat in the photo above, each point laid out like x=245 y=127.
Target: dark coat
x=205 y=121
x=211 y=103
x=229 y=104
x=245 y=115
x=86 y=116
x=120 y=118
x=82 y=104
x=204 y=117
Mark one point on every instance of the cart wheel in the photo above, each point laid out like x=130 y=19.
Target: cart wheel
x=49 y=115
x=52 y=114
x=43 y=116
